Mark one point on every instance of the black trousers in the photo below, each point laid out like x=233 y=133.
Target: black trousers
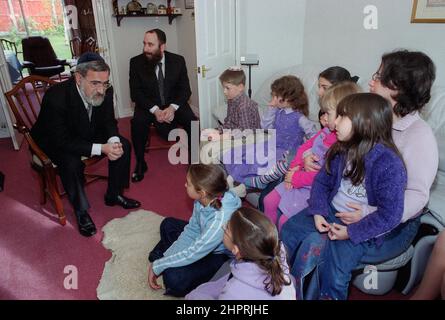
x=140 y=128
x=71 y=171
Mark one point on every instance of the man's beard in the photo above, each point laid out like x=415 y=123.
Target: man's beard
x=154 y=57
x=95 y=100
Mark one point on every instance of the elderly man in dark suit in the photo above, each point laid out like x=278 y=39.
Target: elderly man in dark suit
x=77 y=120
x=160 y=88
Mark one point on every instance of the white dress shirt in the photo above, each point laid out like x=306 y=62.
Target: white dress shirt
x=96 y=150
x=154 y=108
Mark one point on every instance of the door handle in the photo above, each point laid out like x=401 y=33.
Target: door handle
x=204 y=70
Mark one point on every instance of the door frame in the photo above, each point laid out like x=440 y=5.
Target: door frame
x=102 y=12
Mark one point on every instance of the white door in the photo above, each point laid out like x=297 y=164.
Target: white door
x=102 y=19
x=215 y=22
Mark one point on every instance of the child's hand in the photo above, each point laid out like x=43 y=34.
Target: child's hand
x=288 y=177
x=350 y=217
x=324 y=120
x=338 y=232
x=310 y=163
x=321 y=224
x=276 y=102
x=152 y=278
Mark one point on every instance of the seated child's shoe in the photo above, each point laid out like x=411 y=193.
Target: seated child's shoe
x=230 y=181
x=239 y=190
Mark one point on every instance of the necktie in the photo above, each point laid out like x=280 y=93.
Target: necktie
x=90 y=111
x=161 y=83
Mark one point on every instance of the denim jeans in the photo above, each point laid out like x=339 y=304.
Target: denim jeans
x=304 y=245
x=334 y=261
x=180 y=281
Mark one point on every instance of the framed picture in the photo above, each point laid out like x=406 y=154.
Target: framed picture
x=428 y=11
x=189 y=4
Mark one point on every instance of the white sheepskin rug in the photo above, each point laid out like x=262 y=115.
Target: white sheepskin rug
x=130 y=239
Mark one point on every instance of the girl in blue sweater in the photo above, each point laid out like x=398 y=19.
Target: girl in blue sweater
x=190 y=253
x=365 y=167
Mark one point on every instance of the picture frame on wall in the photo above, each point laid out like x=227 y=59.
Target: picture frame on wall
x=189 y=4
x=428 y=11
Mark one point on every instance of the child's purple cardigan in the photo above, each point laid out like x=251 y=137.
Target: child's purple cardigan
x=385 y=183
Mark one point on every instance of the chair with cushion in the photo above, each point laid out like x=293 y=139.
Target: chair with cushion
x=39 y=57
x=25 y=100
x=12 y=48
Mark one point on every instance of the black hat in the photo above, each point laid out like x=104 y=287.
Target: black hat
x=88 y=57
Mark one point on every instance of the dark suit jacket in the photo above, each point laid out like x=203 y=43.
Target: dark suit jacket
x=144 y=88
x=63 y=124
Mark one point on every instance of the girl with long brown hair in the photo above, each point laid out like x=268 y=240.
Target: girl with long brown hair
x=363 y=166
x=259 y=271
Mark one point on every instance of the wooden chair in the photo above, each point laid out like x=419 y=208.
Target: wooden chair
x=9 y=45
x=25 y=100
x=75 y=47
x=160 y=144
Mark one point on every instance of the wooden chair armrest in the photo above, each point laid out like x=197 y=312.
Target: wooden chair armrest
x=35 y=149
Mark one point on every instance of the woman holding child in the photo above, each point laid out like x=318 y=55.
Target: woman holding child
x=404 y=79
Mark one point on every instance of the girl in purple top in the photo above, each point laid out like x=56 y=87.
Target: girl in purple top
x=290 y=196
x=259 y=271
x=287 y=115
x=363 y=166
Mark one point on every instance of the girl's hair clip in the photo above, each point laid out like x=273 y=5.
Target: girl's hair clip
x=235 y=68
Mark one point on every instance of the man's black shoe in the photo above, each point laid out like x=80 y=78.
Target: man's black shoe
x=85 y=223
x=122 y=201
x=138 y=174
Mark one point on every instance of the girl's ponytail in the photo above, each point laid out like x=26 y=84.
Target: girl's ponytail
x=276 y=280
x=257 y=239
x=216 y=203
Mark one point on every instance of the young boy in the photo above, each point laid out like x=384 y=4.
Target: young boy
x=242 y=112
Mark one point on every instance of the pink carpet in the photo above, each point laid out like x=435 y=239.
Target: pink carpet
x=35 y=249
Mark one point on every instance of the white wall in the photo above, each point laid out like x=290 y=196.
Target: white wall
x=185 y=27
x=274 y=30
x=128 y=43
x=334 y=35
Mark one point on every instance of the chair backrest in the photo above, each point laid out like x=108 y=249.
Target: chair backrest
x=25 y=100
x=78 y=47
x=75 y=47
x=39 y=51
x=8 y=45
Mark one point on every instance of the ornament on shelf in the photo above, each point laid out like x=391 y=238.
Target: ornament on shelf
x=151 y=8
x=162 y=9
x=134 y=7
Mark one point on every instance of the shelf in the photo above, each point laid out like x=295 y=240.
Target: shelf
x=119 y=17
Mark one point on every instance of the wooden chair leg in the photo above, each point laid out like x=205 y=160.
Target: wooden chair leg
x=54 y=194
x=59 y=208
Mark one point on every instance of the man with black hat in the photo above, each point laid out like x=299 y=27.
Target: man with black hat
x=77 y=120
